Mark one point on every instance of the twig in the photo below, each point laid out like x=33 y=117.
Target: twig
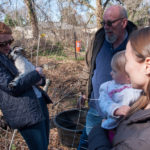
x=62 y=98
x=15 y=131
x=37 y=54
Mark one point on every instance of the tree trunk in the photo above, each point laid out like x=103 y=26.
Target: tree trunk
x=99 y=13
x=33 y=17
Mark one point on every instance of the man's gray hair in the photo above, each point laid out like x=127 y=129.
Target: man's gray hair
x=123 y=12
x=121 y=9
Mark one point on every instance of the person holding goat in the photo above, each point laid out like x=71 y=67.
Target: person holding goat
x=22 y=107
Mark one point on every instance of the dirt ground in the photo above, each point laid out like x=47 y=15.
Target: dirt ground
x=64 y=90
x=66 y=85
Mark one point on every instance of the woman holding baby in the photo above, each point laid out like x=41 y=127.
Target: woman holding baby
x=133 y=131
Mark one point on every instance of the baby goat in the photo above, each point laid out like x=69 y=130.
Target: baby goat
x=21 y=63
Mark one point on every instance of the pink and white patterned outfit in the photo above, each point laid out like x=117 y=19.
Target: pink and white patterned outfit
x=112 y=96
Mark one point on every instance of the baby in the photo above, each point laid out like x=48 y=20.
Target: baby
x=116 y=95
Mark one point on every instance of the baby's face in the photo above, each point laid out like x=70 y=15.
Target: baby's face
x=119 y=77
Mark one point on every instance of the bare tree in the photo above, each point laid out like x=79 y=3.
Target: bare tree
x=138 y=11
x=3 y=4
x=33 y=18
x=68 y=15
x=99 y=12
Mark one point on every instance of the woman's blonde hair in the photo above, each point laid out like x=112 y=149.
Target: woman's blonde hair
x=140 y=43
x=118 y=61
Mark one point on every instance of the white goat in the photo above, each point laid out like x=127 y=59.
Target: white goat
x=21 y=63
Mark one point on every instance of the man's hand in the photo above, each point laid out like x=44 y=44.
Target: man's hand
x=122 y=111
x=81 y=101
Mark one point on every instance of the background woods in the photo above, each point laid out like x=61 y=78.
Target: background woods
x=49 y=30
x=62 y=22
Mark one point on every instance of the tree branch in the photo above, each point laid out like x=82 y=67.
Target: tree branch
x=89 y=19
x=105 y=4
x=2 y=10
x=85 y=3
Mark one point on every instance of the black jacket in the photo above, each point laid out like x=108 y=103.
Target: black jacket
x=19 y=105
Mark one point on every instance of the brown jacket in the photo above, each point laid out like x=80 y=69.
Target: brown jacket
x=134 y=133
x=93 y=49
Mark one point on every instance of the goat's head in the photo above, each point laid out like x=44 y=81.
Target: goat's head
x=17 y=51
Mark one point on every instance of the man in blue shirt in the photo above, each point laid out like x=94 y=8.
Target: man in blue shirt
x=108 y=40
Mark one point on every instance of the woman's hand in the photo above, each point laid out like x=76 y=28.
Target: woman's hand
x=122 y=111
x=40 y=71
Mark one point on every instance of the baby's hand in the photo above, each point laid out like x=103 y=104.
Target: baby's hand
x=103 y=120
x=122 y=111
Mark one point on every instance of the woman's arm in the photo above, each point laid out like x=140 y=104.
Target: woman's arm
x=42 y=81
x=133 y=144
x=25 y=83
x=98 y=139
x=98 y=142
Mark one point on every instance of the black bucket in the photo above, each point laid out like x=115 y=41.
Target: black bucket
x=70 y=124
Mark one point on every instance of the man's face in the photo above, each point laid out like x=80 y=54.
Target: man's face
x=113 y=26
x=5 y=42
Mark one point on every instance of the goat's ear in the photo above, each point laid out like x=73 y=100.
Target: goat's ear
x=17 y=48
x=21 y=49
x=24 y=52
x=14 y=47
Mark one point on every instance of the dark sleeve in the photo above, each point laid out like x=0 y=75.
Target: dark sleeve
x=43 y=81
x=98 y=139
x=133 y=144
x=25 y=83
x=140 y=142
x=88 y=55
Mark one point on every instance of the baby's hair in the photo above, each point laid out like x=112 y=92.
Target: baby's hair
x=118 y=61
